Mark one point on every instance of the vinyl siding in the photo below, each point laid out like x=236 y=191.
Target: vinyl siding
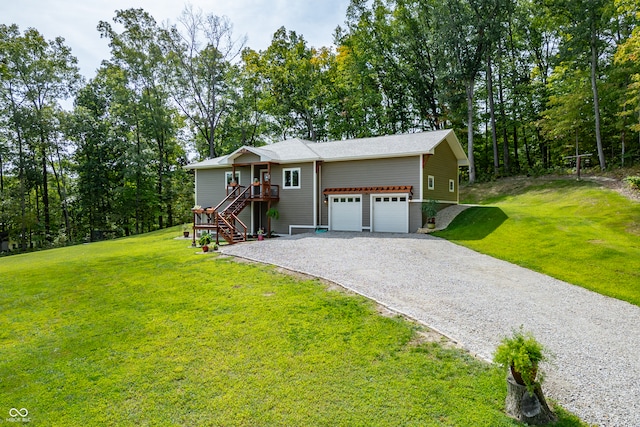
x=443 y=166
x=211 y=188
x=369 y=173
x=296 y=204
x=246 y=158
x=415 y=216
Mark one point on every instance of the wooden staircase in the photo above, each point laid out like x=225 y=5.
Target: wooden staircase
x=223 y=219
x=227 y=223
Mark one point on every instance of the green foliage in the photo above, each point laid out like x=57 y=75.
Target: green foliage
x=142 y=331
x=522 y=353
x=430 y=210
x=205 y=239
x=633 y=181
x=273 y=213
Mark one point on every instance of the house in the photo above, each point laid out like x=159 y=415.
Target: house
x=370 y=184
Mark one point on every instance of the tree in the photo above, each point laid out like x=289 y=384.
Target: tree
x=200 y=71
x=35 y=74
x=136 y=51
x=584 y=24
x=463 y=27
x=627 y=56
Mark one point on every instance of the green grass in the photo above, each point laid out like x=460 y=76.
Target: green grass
x=575 y=231
x=142 y=331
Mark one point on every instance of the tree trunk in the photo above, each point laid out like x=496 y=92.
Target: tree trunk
x=596 y=99
x=492 y=115
x=526 y=147
x=45 y=197
x=472 y=166
x=524 y=407
x=506 y=164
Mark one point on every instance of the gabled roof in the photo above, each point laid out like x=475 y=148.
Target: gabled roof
x=298 y=150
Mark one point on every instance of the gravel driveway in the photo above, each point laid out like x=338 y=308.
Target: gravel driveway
x=475 y=300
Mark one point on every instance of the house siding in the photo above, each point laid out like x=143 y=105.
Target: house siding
x=211 y=190
x=210 y=187
x=246 y=158
x=415 y=216
x=296 y=204
x=443 y=167
x=368 y=173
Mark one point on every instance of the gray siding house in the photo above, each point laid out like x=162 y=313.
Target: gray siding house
x=369 y=184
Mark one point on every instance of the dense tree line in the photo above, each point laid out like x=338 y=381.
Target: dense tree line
x=525 y=83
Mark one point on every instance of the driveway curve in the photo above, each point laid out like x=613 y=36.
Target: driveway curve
x=475 y=300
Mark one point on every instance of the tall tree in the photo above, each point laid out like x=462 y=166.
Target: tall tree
x=36 y=74
x=200 y=73
x=463 y=28
x=584 y=24
x=137 y=52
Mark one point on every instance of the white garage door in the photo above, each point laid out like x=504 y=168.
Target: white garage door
x=390 y=213
x=345 y=213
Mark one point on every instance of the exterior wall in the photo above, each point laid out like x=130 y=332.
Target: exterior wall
x=296 y=204
x=415 y=216
x=210 y=187
x=443 y=166
x=369 y=173
x=246 y=158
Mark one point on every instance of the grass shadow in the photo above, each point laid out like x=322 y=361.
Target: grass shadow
x=474 y=223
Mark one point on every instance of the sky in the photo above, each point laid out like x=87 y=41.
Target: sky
x=76 y=20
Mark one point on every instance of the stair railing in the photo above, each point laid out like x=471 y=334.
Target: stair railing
x=228 y=229
x=228 y=212
x=231 y=195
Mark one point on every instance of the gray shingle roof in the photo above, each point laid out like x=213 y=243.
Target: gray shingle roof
x=298 y=150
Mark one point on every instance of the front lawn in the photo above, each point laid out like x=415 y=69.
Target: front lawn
x=142 y=331
x=575 y=231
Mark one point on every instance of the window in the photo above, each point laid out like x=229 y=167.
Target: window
x=452 y=186
x=431 y=182
x=228 y=178
x=291 y=178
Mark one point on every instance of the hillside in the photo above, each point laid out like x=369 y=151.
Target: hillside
x=583 y=232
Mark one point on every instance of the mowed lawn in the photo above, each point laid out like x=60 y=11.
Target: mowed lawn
x=143 y=331
x=578 y=232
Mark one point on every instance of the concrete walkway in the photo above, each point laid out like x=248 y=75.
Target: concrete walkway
x=476 y=300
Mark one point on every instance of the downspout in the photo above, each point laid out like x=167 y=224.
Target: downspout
x=422 y=163
x=316 y=180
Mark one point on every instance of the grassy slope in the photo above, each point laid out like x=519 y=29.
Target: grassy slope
x=141 y=331
x=575 y=231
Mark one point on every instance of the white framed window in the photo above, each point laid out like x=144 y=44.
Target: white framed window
x=431 y=182
x=228 y=178
x=452 y=186
x=291 y=178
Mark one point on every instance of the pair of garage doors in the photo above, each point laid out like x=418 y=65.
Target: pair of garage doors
x=388 y=213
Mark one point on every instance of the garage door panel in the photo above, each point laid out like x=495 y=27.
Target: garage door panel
x=390 y=213
x=346 y=213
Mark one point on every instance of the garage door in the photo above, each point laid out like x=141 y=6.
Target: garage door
x=390 y=213
x=345 y=213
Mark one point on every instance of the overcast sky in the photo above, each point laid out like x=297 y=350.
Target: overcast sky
x=76 y=20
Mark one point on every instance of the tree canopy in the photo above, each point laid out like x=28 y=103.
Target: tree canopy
x=525 y=84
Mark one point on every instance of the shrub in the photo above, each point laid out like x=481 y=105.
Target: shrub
x=521 y=353
x=633 y=181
